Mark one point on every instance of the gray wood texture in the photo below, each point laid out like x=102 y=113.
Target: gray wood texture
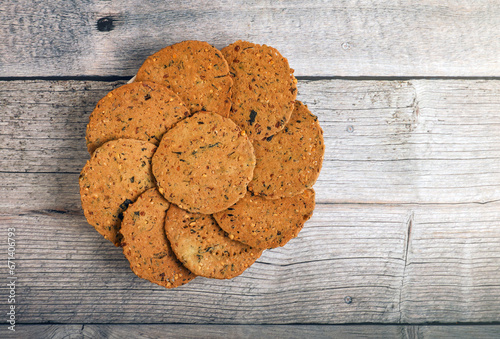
x=406 y=224
x=256 y=331
x=320 y=38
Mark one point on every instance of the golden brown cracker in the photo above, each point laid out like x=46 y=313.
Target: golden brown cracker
x=196 y=71
x=139 y=110
x=204 y=163
x=145 y=244
x=290 y=161
x=264 y=88
x=117 y=173
x=264 y=223
x=204 y=248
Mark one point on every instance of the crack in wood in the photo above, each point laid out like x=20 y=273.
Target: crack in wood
x=409 y=226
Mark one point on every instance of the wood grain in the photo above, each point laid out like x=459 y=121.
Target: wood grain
x=406 y=263
x=258 y=331
x=418 y=141
x=320 y=38
x=459 y=253
x=406 y=222
x=70 y=274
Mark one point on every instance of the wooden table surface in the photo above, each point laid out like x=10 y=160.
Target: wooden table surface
x=405 y=238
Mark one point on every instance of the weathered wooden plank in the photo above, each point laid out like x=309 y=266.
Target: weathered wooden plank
x=417 y=141
x=387 y=141
x=207 y=331
x=46 y=121
x=463 y=331
x=294 y=331
x=320 y=38
x=69 y=274
x=452 y=269
x=256 y=331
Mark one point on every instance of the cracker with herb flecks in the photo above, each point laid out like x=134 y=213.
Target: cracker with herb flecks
x=196 y=71
x=116 y=174
x=264 y=88
x=204 y=248
x=204 y=163
x=140 y=110
x=290 y=161
x=214 y=155
x=264 y=223
x=145 y=244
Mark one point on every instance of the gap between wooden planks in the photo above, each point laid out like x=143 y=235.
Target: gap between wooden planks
x=406 y=223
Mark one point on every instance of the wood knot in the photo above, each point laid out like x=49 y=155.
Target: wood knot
x=105 y=24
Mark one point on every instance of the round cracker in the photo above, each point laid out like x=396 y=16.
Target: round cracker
x=264 y=88
x=204 y=248
x=263 y=223
x=196 y=71
x=204 y=163
x=145 y=244
x=140 y=110
x=116 y=174
x=290 y=161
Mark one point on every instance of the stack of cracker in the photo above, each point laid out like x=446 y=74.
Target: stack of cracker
x=202 y=162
